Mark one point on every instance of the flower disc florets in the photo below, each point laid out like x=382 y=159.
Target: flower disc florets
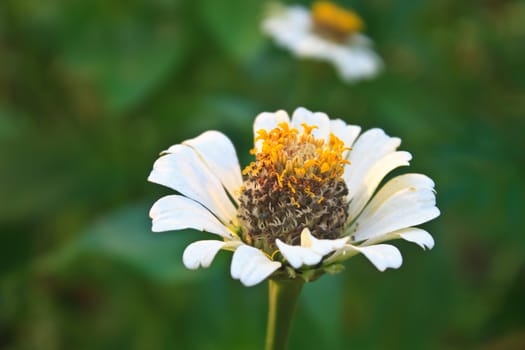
x=295 y=183
x=334 y=22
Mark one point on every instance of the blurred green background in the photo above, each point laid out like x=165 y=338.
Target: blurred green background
x=92 y=91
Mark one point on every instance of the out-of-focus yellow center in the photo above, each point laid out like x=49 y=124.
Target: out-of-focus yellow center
x=334 y=21
x=298 y=161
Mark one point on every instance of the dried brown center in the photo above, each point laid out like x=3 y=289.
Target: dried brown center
x=295 y=182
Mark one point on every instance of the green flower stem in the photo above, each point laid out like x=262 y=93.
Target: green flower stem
x=283 y=295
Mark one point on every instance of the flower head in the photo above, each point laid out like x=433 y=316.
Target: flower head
x=295 y=182
x=326 y=32
x=306 y=203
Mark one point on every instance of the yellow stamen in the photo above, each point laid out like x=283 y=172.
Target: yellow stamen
x=297 y=160
x=309 y=191
x=308 y=128
x=291 y=187
x=300 y=172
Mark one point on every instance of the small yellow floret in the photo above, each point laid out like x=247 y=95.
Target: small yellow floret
x=294 y=159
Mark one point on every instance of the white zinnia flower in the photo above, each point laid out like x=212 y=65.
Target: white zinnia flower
x=328 y=33
x=306 y=203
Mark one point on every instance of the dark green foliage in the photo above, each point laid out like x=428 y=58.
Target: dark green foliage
x=92 y=91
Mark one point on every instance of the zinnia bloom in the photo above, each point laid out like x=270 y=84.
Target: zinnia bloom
x=308 y=202
x=326 y=32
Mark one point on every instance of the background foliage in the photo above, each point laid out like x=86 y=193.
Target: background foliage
x=91 y=91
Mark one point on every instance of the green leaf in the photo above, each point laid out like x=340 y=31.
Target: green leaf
x=235 y=24
x=125 y=236
x=124 y=54
x=12 y=123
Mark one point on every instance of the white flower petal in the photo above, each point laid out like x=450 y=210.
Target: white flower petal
x=383 y=256
x=251 y=266
x=311 y=251
x=398 y=183
x=416 y=235
x=360 y=40
x=320 y=120
x=218 y=153
x=404 y=201
x=201 y=253
x=287 y=25
x=183 y=171
x=176 y=212
x=346 y=133
x=410 y=234
x=298 y=256
x=371 y=179
x=311 y=45
x=356 y=62
x=268 y=121
x=370 y=147
x=321 y=246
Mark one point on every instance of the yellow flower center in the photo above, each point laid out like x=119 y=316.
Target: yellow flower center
x=295 y=182
x=335 y=22
x=295 y=159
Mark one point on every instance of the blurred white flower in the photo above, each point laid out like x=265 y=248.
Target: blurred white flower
x=326 y=32
x=306 y=203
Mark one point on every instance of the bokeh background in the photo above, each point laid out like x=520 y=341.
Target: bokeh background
x=92 y=91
